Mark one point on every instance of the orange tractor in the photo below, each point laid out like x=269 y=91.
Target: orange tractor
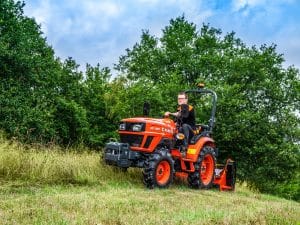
x=155 y=144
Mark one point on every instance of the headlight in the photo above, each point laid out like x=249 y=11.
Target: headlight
x=180 y=136
x=137 y=127
x=122 y=126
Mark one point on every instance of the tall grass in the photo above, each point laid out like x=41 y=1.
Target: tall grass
x=104 y=195
x=57 y=166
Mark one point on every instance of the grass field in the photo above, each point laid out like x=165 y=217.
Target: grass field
x=52 y=187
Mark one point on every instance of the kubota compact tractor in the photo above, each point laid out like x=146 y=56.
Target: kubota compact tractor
x=154 y=145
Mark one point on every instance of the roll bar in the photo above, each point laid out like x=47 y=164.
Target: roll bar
x=201 y=90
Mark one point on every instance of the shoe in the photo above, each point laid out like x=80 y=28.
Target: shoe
x=183 y=154
x=183 y=151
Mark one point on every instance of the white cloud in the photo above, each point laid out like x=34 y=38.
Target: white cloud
x=101 y=9
x=288 y=43
x=96 y=16
x=74 y=17
x=196 y=11
x=94 y=30
x=41 y=13
x=238 y=5
x=148 y=2
x=242 y=4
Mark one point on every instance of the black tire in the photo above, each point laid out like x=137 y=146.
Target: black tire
x=158 y=170
x=204 y=174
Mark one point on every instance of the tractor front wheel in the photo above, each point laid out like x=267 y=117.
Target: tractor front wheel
x=203 y=176
x=158 y=170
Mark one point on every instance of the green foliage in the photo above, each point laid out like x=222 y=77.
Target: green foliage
x=101 y=125
x=258 y=99
x=71 y=120
x=27 y=74
x=44 y=100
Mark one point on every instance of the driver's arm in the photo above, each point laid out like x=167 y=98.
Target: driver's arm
x=177 y=114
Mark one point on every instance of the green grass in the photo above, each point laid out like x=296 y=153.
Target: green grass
x=54 y=166
x=52 y=187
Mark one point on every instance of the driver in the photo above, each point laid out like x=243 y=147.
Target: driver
x=185 y=118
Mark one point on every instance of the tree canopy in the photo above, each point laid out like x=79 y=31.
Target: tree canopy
x=44 y=100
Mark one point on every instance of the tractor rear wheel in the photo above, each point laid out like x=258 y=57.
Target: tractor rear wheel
x=203 y=176
x=158 y=169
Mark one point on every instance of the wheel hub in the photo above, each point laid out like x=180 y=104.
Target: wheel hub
x=163 y=172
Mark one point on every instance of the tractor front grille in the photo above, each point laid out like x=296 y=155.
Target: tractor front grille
x=129 y=126
x=133 y=140
x=148 y=141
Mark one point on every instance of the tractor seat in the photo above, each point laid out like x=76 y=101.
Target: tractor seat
x=200 y=131
x=199 y=128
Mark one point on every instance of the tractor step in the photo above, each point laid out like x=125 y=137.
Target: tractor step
x=187 y=160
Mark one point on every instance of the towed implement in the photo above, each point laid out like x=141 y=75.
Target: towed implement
x=155 y=146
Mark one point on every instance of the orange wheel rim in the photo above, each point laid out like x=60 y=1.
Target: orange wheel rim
x=163 y=172
x=207 y=169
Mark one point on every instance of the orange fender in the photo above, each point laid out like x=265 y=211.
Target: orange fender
x=194 y=150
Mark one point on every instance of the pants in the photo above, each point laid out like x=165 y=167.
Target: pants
x=188 y=132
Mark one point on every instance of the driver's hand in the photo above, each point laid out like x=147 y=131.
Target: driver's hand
x=167 y=114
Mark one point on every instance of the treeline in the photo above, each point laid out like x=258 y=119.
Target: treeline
x=42 y=99
x=49 y=101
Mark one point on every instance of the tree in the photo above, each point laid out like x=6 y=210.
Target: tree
x=42 y=99
x=256 y=120
x=28 y=72
x=96 y=87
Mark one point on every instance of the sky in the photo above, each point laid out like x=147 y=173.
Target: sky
x=99 y=31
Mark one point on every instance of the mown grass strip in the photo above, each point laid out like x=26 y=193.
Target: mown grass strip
x=69 y=204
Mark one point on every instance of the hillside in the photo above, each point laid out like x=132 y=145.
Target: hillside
x=125 y=203
x=55 y=187
x=47 y=100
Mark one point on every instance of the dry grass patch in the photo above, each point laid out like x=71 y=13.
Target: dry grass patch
x=55 y=166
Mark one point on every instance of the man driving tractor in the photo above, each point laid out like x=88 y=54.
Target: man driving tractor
x=185 y=118
x=155 y=145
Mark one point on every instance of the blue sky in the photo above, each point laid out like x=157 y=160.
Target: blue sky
x=92 y=31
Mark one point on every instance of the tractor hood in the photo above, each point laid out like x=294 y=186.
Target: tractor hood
x=148 y=120
x=141 y=124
